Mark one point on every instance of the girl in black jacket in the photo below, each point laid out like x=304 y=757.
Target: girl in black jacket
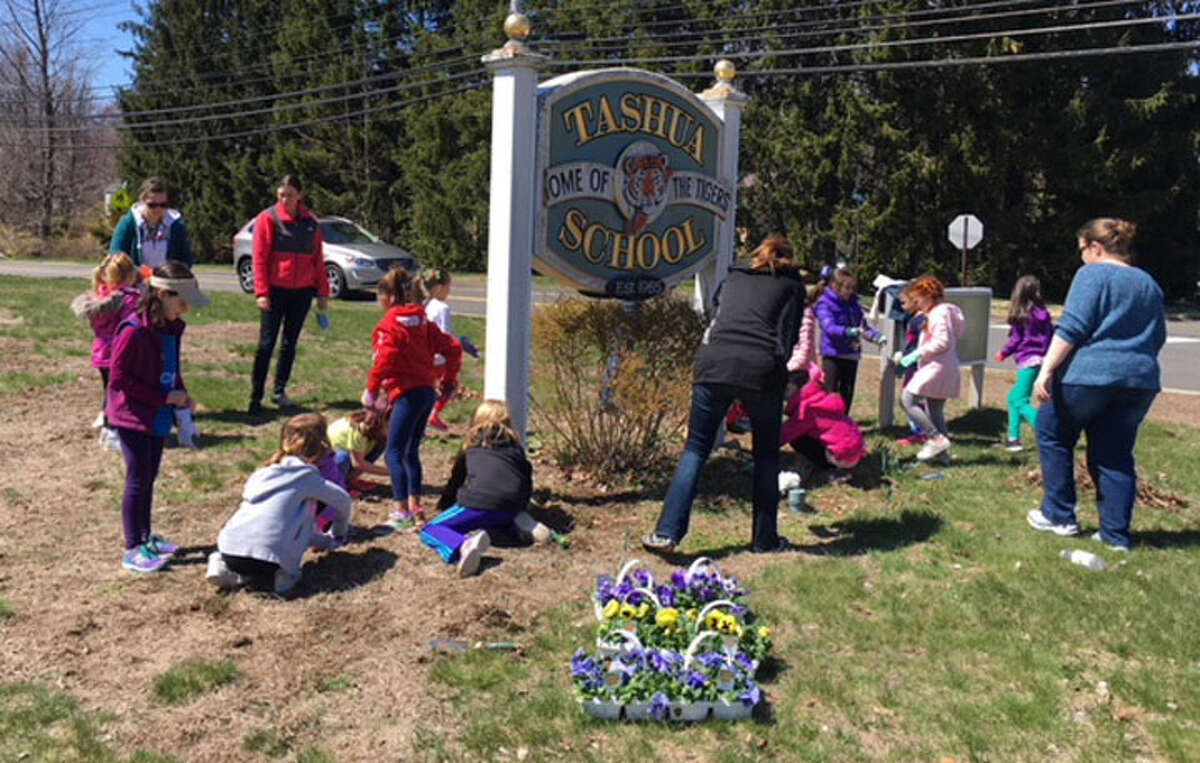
x=489 y=486
x=743 y=357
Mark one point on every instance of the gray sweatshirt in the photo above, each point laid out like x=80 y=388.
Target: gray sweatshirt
x=275 y=521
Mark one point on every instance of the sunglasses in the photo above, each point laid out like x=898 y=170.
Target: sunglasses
x=157 y=205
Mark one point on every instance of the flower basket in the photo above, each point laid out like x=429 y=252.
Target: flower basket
x=689 y=712
x=724 y=710
x=624 y=643
x=639 y=712
x=605 y=710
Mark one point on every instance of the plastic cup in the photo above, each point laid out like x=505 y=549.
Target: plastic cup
x=796 y=500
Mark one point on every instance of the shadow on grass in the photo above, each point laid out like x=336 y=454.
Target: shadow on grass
x=985 y=423
x=207 y=440
x=1167 y=539
x=341 y=571
x=851 y=537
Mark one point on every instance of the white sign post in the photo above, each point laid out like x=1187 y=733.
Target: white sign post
x=510 y=221
x=965 y=232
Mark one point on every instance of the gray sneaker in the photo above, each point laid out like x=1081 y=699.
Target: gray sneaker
x=471 y=552
x=281 y=400
x=656 y=542
x=1037 y=520
x=1111 y=546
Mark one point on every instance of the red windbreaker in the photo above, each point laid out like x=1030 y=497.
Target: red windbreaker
x=298 y=262
x=405 y=342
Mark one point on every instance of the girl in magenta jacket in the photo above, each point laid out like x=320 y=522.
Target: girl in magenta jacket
x=818 y=428
x=112 y=300
x=937 y=378
x=145 y=388
x=1029 y=333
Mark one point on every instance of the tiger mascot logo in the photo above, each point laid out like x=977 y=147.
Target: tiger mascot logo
x=644 y=177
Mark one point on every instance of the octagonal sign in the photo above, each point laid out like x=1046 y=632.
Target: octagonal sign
x=628 y=190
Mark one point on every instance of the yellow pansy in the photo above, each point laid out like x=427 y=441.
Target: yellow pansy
x=643 y=610
x=611 y=609
x=764 y=632
x=667 y=618
x=627 y=610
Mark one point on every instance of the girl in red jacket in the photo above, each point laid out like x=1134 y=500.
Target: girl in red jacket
x=403 y=376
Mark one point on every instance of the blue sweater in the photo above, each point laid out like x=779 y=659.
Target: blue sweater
x=1116 y=320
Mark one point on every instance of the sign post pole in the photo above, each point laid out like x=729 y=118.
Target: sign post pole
x=727 y=102
x=510 y=220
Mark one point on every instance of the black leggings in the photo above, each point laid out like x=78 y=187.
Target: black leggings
x=260 y=573
x=104 y=392
x=840 y=374
x=289 y=307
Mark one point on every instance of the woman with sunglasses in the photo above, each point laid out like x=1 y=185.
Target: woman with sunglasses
x=151 y=232
x=1099 y=376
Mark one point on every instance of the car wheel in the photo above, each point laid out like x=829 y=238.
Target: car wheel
x=245 y=274
x=337 y=281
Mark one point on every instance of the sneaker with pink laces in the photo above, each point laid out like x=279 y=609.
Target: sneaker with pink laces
x=912 y=439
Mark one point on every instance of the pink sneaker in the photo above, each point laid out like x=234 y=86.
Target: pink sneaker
x=912 y=439
x=436 y=422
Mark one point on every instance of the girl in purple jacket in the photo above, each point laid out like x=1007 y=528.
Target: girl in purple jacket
x=842 y=326
x=1029 y=333
x=112 y=300
x=144 y=390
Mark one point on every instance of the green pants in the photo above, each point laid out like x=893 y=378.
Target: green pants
x=1018 y=402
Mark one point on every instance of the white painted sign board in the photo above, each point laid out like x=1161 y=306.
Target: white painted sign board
x=965 y=231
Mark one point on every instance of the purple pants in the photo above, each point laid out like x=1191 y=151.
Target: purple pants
x=447 y=531
x=143 y=454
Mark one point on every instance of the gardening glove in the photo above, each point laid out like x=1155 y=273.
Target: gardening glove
x=371 y=400
x=876 y=337
x=853 y=332
x=187 y=427
x=909 y=360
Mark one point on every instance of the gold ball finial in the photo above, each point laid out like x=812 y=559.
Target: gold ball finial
x=517 y=26
x=724 y=70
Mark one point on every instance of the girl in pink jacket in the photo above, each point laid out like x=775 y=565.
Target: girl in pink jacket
x=112 y=300
x=937 y=378
x=818 y=428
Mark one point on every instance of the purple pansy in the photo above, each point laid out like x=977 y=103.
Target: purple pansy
x=751 y=696
x=659 y=706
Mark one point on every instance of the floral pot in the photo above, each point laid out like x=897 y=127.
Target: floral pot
x=724 y=710
x=605 y=710
x=638 y=711
x=689 y=712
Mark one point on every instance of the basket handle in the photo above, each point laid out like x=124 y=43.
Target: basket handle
x=650 y=593
x=690 y=654
x=701 y=563
x=625 y=570
x=711 y=606
x=627 y=636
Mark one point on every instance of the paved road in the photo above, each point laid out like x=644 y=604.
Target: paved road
x=1180 y=359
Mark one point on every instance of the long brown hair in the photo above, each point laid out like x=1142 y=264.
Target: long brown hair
x=370 y=422
x=491 y=427
x=1026 y=295
x=150 y=303
x=303 y=436
x=1114 y=234
x=399 y=286
x=775 y=251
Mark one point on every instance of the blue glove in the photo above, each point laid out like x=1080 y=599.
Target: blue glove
x=853 y=332
x=910 y=359
x=876 y=337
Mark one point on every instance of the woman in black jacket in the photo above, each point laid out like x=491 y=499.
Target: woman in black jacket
x=743 y=357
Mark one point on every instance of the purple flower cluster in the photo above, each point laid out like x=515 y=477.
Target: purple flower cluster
x=681 y=590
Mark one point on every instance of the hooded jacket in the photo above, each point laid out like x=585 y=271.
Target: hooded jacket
x=106 y=312
x=405 y=343
x=835 y=315
x=821 y=415
x=125 y=236
x=274 y=522
x=938 y=375
x=135 y=382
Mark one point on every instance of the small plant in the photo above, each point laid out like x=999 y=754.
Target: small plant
x=611 y=381
x=5 y=610
x=192 y=678
x=267 y=742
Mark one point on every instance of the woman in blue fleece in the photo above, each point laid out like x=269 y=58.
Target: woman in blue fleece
x=1099 y=376
x=263 y=543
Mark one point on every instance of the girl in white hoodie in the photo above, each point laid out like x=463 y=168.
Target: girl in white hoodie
x=263 y=543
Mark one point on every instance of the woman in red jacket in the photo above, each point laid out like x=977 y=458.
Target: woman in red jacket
x=403 y=375
x=289 y=270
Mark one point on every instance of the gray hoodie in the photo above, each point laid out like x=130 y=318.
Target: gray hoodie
x=275 y=521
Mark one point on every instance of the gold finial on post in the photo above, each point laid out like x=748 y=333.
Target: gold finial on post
x=724 y=70
x=517 y=26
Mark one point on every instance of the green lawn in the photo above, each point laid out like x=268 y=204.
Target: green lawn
x=921 y=619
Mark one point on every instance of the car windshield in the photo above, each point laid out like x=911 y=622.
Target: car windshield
x=345 y=232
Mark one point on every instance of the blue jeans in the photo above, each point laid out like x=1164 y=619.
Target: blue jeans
x=405 y=430
x=709 y=404
x=1110 y=416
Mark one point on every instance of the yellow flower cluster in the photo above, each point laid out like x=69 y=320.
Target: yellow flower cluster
x=723 y=623
x=667 y=618
x=624 y=610
x=764 y=632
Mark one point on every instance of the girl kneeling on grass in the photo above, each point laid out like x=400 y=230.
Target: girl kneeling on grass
x=263 y=543
x=489 y=486
x=403 y=376
x=145 y=388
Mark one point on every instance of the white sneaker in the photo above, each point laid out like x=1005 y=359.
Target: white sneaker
x=1111 y=546
x=109 y=440
x=931 y=448
x=98 y=421
x=219 y=573
x=531 y=530
x=1037 y=520
x=470 y=552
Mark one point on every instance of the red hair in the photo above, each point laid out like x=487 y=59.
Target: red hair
x=927 y=287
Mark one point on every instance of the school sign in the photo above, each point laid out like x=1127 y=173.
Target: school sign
x=618 y=182
x=629 y=189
